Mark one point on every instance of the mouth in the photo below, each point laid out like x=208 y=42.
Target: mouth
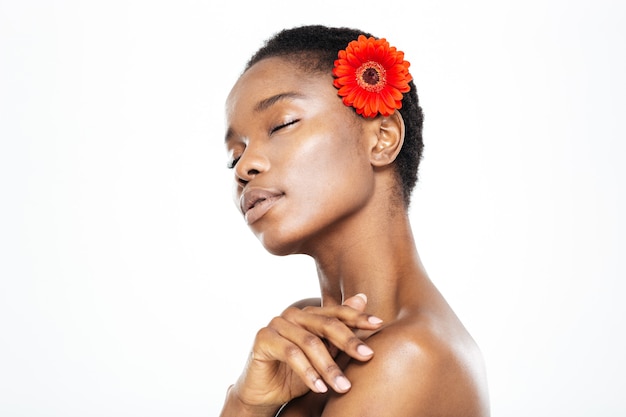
x=256 y=202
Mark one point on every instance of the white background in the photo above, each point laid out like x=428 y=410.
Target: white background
x=130 y=286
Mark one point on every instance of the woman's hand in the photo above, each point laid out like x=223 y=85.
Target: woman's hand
x=295 y=353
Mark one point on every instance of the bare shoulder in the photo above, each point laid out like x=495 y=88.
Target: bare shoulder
x=422 y=366
x=307 y=302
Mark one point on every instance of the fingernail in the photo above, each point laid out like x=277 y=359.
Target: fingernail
x=364 y=350
x=362 y=296
x=321 y=387
x=374 y=320
x=342 y=383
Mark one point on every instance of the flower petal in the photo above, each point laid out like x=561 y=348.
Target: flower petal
x=370 y=98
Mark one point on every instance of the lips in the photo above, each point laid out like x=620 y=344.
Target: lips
x=256 y=202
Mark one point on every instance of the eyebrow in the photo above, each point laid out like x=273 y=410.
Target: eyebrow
x=270 y=101
x=266 y=104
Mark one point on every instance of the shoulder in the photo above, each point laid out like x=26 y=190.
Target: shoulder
x=420 y=367
x=307 y=302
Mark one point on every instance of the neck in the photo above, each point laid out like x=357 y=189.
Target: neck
x=380 y=261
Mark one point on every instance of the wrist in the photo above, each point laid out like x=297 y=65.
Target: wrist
x=235 y=407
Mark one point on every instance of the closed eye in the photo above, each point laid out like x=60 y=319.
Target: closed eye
x=277 y=128
x=231 y=164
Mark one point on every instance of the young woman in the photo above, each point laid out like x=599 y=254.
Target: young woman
x=324 y=139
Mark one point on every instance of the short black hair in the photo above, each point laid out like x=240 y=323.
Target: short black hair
x=315 y=48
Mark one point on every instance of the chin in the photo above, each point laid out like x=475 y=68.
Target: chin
x=279 y=245
x=278 y=249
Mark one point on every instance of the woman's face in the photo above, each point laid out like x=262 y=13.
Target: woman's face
x=301 y=165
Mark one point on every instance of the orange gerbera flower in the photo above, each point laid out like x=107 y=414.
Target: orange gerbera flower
x=372 y=76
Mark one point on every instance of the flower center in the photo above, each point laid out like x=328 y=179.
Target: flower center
x=371 y=76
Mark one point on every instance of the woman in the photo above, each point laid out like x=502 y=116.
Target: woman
x=324 y=138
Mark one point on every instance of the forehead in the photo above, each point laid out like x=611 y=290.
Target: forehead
x=276 y=76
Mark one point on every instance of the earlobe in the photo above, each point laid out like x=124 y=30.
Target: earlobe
x=389 y=141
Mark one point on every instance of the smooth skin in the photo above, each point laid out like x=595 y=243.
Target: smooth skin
x=381 y=340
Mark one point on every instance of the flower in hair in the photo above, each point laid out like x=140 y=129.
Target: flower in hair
x=372 y=76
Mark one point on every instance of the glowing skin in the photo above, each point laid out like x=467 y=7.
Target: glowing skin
x=298 y=145
x=312 y=177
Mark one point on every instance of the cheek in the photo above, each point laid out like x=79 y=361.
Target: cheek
x=319 y=159
x=329 y=171
x=325 y=181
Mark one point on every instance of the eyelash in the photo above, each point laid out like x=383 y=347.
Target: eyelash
x=277 y=128
x=231 y=164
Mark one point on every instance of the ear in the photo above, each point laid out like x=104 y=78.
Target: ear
x=389 y=139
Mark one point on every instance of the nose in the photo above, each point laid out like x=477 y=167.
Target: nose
x=251 y=163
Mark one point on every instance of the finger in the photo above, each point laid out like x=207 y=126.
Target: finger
x=350 y=316
x=334 y=330
x=271 y=346
x=357 y=302
x=309 y=357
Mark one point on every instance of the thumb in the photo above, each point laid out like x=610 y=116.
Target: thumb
x=357 y=302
